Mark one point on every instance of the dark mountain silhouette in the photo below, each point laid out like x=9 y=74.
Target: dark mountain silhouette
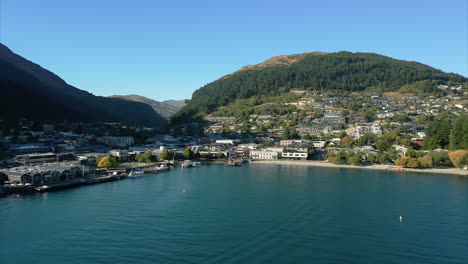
x=165 y=108
x=32 y=92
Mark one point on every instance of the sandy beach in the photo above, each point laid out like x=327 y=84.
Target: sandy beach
x=453 y=171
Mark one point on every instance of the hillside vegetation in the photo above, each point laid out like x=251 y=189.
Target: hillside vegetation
x=315 y=71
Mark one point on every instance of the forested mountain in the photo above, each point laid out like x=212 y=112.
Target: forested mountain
x=165 y=108
x=32 y=92
x=314 y=71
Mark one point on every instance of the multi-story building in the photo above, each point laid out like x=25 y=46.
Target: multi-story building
x=264 y=154
x=291 y=154
x=122 y=155
x=122 y=142
x=44 y=174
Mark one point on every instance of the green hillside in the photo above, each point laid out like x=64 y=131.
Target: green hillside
x=315 y=71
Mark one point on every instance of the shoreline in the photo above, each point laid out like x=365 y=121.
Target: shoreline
x=452 y=171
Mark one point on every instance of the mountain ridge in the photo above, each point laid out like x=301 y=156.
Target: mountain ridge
x=312 y=71
x=32 y=92
x=165 y=108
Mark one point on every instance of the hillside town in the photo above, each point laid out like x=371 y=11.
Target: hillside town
x=357 y=129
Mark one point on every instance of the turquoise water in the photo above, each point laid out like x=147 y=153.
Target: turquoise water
x=253 y=214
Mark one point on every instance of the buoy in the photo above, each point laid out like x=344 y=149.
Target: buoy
x=401 y=218
x=184 y=191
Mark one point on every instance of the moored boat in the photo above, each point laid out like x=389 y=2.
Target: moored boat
x=136 y=174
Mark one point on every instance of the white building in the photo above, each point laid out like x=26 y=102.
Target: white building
x=121 y=154
x=294 y=155
x=319 y=143
x=228 y=141
x=263 y=154
x=362 y=129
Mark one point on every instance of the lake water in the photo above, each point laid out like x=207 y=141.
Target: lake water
x=253 y=214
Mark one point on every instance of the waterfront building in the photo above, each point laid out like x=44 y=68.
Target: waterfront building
x=44 y=174
x=264 y=154
x=277 y=149
x=292 y=154
x=300 y=147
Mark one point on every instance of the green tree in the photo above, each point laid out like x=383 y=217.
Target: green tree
x=384 y=158
x=385 y=142
x=166 y=155
x=146 y=157
x=293 y=133
x=459 y=133
x=188 y=153
x=366 y=139
x=411 y=153
x=286 y=134
x=371 y=157
x=220 y=155
x=354 y=160
x=440 y=158
x=438 y=133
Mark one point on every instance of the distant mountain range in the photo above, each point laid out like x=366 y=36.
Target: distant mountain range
x=32 y=92
x=317 y=71
x=165 y=108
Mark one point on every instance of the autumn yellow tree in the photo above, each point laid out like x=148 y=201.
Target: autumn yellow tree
x=425 y=161
x=107 y=162
x=99 y=160
x=407 y=162
x=459 y=158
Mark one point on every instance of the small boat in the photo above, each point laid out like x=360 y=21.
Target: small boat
x=136 y=174
x=196 y=164
x=187 y=164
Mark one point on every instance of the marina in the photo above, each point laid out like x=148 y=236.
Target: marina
x=90 y=179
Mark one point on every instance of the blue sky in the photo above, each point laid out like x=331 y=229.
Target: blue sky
x=168 y=49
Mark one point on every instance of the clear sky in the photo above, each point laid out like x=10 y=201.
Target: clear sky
x=168 y=49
